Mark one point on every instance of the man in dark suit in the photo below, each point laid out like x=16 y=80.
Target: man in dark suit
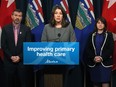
x=13 y=36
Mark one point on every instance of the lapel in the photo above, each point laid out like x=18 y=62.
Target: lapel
x=11 y=33
x=20 y=34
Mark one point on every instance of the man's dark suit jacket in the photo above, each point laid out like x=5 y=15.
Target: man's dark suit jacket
x=8 y=43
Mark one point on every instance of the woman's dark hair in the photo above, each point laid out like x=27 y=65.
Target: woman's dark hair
x=64 y=20
x=103 y=20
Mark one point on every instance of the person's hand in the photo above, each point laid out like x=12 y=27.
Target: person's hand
x=15 y=59
x=98 y=59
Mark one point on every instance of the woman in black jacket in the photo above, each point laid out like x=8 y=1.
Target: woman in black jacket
x=99 y=53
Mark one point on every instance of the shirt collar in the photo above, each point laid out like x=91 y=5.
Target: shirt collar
x=16 y=26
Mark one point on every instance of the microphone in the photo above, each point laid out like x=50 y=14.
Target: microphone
x=59 y=34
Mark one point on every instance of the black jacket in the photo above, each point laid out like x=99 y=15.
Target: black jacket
x=106 y=51
x=8 y=43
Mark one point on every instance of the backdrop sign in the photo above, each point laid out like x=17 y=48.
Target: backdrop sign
x=51 y=53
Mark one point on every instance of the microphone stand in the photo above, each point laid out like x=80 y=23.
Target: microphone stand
x=59 y=36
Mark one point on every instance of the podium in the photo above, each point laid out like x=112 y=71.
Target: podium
x=53 y=80
x=53 y=76
x=52 y=54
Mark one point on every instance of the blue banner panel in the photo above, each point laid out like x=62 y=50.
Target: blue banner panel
x=51 y=53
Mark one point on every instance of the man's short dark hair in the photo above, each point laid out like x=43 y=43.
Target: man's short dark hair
x=17 y=10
